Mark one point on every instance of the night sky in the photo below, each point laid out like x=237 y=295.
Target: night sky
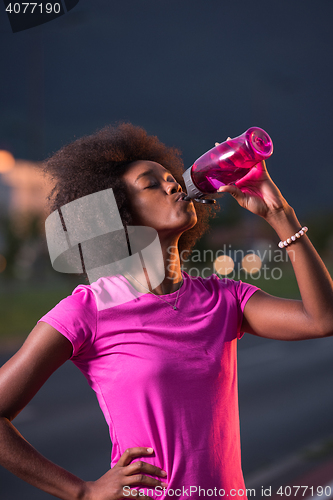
x=191 y=71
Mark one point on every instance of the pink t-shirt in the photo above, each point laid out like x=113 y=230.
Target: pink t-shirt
x=165 y=378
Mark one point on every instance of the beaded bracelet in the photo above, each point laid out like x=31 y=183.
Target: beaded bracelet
x=293 y=238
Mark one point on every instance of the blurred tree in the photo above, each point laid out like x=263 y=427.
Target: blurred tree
x=19 y=236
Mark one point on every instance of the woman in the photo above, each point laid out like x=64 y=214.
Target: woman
x=163 y=364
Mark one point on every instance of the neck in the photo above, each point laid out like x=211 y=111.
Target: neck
x=173 y=276
x=172 y=272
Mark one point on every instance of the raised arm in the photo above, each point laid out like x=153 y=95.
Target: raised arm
x=274 y=317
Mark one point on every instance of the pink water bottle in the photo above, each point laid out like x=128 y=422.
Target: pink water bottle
x=227 y=163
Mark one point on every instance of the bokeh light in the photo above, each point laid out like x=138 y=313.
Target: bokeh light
x=7 y=161
x=224 y=265
x=251 y=263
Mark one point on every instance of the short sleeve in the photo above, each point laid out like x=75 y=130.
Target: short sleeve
x=75 y=317
x=241 y=292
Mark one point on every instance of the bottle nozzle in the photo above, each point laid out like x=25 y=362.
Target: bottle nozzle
x=199 y=200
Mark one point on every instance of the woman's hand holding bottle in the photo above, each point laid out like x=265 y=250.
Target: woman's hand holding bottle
x=257 y=192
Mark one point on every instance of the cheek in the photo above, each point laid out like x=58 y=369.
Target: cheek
x=143 y=212
x=193 y=214
x=194 y=218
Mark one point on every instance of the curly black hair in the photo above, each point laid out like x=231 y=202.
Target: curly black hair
x=99 y=161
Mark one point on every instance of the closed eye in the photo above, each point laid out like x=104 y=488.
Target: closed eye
x=156 y=184
x=152 y=186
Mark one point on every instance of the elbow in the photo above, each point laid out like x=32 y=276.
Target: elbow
x=5 y=415
x=328 y=332
x=324 y=328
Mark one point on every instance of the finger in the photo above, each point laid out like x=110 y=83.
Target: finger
x=232 y=189
x=143 y=467
x=218 y=143
x=143 y=480
x=261 y=165
x=132 y=453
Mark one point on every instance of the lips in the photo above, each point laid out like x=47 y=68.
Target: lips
x=181 y=197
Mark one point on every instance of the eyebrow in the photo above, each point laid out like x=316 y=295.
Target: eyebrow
x=149 y=172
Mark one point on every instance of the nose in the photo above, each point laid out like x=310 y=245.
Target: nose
x=173 y=187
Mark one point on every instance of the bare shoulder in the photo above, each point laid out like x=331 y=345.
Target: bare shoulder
x=44 y=350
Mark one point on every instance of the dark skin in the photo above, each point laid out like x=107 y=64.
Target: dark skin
x=153 y=194
x=154 y=203
x=274 y=317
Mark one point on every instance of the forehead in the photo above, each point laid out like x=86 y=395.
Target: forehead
x=138 y=167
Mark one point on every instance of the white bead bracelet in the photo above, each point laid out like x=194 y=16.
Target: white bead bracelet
x=293 y=238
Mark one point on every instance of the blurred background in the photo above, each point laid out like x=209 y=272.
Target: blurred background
x=192 y=73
